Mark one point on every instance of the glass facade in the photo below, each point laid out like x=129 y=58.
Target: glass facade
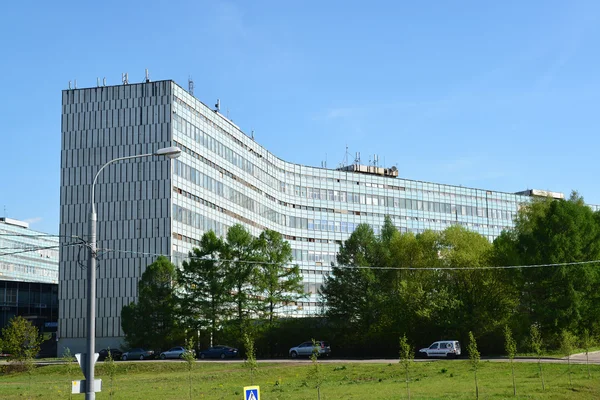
x=223 y=177
x=28 y=275
x=27 y=256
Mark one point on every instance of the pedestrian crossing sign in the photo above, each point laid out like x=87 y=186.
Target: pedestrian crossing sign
x=251 y=393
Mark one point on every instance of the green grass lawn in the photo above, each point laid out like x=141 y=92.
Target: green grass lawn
x=214 y=380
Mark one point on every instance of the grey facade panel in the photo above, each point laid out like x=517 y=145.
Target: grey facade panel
x=98 y=125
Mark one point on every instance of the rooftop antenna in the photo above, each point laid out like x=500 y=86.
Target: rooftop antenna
x=147 y=76
x=97 y=82
x=346 y=155
x=190 y=86
x=252 y=134
x=218 y=105
x=69 y=84
x=75 y=83
x=228 y=112
x=357 y=159
x=125 y=78
x=104 y=81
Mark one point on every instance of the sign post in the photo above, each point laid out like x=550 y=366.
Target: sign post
x=251 y=393
x=81 y=386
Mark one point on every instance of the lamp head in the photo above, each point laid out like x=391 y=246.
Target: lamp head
x=171 y=152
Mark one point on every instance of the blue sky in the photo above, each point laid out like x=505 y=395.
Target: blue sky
x=497 y=95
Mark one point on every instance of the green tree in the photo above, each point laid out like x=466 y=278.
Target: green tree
x=314 y=377
x=549 y=231
x=67 y=358
x=250 y=361
x=511 y=350
x=586 y=342
x=483 y=299
x=204 y=298
x=278 y=282
x=153 y=321
x=417 y=301
x=241 y=257
x=190 y=359
x=406 y=359
x=110 y=366
x=567 y=345
x=21 y=340
x=536 y=347
x=474 y=357
x=352 y=291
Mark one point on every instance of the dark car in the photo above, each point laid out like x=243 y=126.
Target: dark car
x=115 y=353
x=137 y=354
x=221 y=352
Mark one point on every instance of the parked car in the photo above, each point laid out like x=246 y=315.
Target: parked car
x=307 y=348
x=221 y=352
x=137 y=354
x=174 y=352
x=115 y=353
x=442 y=348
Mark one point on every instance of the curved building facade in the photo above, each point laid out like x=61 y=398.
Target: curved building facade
x=148 y=207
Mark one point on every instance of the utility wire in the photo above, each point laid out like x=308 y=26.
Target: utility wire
x=33 y=236
x=29 y=250
x=566 y=264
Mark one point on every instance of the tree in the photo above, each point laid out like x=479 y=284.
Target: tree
x=406 y=359
x=511 y=351
x=67 y=358
x=277 y=282
x=549 y=231
x=153 y=322
x=483 y=300
x=314 y=377
x=587 y=342
x=567 y=344
x=21 y=340
x=536 y=346
x=351 y=291
x=250 y=361
x=204 y=297
x=111 y=368
x=190 y=359
x=474 y=357
x=241 y=258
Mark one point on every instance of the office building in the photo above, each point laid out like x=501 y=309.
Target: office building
x=28 y=275
x=152 y=206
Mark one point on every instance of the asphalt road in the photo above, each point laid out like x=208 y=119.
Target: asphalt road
x=594 y=358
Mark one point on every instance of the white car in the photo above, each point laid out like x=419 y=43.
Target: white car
x=174 y=352
x=443 y=348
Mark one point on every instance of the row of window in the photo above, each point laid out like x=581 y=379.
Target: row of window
x=190 y=130
x=198 y=221
x=29 y=270
x=222 y=190
x=408 y=203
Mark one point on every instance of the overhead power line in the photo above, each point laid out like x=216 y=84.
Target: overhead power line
x=39 y=248
x=566 y=264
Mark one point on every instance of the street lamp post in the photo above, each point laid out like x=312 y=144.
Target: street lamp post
x=90 y=360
